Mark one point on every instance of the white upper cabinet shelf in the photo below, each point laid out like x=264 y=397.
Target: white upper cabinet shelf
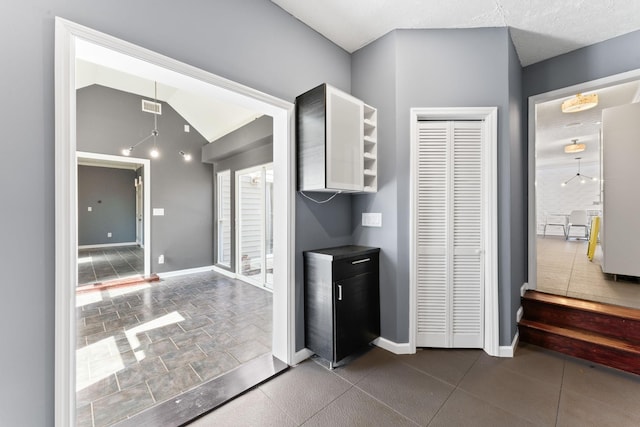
x=336 y=136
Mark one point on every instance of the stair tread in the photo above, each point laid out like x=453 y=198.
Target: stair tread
x=582 y=335
x=584 y=305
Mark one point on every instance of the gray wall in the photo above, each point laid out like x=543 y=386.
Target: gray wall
x=256 y=156
x=603 y=59
x=109 y=120
x=436 y=68
x=112 y=197
x=250 y=41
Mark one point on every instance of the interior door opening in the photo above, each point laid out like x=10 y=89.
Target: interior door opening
x=254 y=230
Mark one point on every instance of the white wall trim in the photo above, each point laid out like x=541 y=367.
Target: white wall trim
x=509 y=350
x=301 y=355
x=537 y=99
x=67 y=36
x=519 y=314
x=524 y=288
x=491 y=306
x=184 y=272
x=394 y=347
x=224 y=272
x=107 y=245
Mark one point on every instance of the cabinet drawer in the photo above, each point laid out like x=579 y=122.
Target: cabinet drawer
x=350 y=267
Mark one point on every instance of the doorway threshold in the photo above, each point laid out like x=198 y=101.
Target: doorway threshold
x=199 y=401
x=118 y=283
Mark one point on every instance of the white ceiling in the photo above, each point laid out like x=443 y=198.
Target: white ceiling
x=540 y=29
x=212 y=117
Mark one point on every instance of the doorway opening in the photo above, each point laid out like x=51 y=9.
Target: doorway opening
x=562 y=182
x=254 y=198
x=69 y=38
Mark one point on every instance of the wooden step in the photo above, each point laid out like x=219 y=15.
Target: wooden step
x=591 y=346
x=618 y=322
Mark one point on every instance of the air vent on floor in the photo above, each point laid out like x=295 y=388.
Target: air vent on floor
x=151 y=107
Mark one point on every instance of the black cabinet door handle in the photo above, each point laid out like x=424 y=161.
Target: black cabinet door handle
x=360 y=261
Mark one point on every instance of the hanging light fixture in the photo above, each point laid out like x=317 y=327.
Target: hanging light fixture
x=574 y=147
x=580 y=102
x=185 y=156
x=155 y=110
x=583 y=178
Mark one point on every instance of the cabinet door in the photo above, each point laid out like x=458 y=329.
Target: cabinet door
x=356 y=311
x=345 y=131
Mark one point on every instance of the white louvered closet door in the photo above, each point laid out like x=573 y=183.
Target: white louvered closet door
x=449 y=234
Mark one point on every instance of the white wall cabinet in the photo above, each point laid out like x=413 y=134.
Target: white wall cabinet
x=621 y=198
x=336 y=136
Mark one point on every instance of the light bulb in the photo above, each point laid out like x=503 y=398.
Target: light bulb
x=155 y=153
x=127 y=151
x=564 y=184
x=594 y=179
x=582 y=181
x=187 y=157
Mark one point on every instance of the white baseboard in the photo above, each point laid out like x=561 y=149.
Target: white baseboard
x=301 y=356
x=393 y=347
x=509 y=350
x=224 y=272
x=107 y=245
x=524 y=288
x=519 y=314
x=185 y=271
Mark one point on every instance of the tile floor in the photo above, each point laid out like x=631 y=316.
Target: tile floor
x=436 y=387
x=99 y=265
x=138 y=346
x=564 y=269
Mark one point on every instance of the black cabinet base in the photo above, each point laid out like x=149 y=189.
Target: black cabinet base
x=342 y=300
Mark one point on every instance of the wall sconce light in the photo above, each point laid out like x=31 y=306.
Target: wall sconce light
x=185 y=156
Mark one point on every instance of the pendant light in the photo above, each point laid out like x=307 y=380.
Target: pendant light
x=574 y=147
x=580 y=102
x=155 y=110
x=583 y=178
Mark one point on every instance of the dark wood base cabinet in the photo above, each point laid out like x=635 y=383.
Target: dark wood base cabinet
x=342 y=300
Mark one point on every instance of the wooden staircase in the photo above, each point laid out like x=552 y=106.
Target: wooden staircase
x=602 y=333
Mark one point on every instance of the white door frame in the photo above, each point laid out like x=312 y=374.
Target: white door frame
x=532 y=280
x=69 y=36
x=146 y=204
x=490 y=170
x=263 y=279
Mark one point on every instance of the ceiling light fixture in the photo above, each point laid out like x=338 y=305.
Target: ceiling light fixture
x=579 y=175
x=185 y=156
x=154 y=153
x=580 y=102
x=574 y=147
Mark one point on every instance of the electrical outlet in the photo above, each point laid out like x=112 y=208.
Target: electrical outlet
x=371 y=219
x=161 y=259
x=90 y=209
x=109 y=234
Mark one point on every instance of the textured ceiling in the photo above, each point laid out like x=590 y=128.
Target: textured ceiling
x=540 y=29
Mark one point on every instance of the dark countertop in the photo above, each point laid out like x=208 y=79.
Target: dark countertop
x=340 y=252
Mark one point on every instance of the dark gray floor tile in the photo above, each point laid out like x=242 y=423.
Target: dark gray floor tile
x=256 y=410
x=532 y=399
x=84 y=416
x=191 y=338
x=166 y=386
x=414 y=394
x=163 y=332
x=615 y=388
x=358 y=366
x=121 y=324
x=118 y=406
x=248 y=350
x=449 y=365
x=177 y=358
x=304 y=390
x=158 y=348
x=97 y=391
x=194 y=323
x=576 y=410
x=141 y=371
x=99 y=318
x=462 y=409
x=356 y=408
x=214 y=364
x=217 y=343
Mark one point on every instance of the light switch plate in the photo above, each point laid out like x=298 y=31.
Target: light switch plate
x=158 y=211
x=371 y=219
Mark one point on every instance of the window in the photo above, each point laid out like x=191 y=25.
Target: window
x=224 y=217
